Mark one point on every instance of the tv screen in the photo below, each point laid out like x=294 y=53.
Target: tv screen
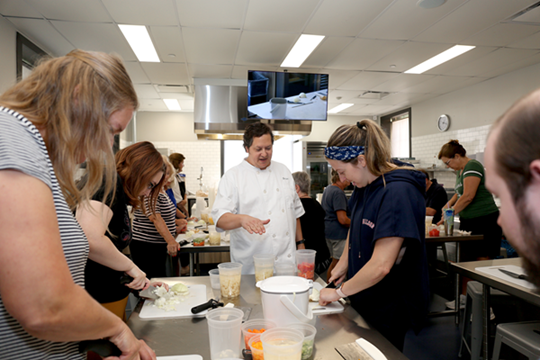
x=287 y=96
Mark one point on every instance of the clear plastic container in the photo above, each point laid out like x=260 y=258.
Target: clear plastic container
x=224 y=331
x=264 y=266
x=282 y=344
x=309 y=332
x=214 y=279
x=230 y=275
x=305 y=263
x=214 y=238
x=256 y=353
x=285 y=268
x=255 y=324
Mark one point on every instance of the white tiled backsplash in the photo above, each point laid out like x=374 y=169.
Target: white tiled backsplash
x=206 y=154
x=426 y=148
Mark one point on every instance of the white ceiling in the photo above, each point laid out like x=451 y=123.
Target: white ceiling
x=368 y=44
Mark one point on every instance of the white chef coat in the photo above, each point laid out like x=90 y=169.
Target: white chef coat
x=262 y=194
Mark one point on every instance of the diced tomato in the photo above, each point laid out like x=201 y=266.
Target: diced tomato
x=306 y=270
x=434 y=232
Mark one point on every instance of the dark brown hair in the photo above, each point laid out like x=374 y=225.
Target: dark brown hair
x=518 y=143
x=137 y=165
x=335 y=176
x=425 y=173
x=256 y=130
x=375 y=141
x=176 y=159
x=451 y=148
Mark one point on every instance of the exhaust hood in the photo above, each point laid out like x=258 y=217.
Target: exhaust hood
x=223 y=110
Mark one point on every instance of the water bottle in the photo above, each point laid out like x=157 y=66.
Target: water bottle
x=448 y=222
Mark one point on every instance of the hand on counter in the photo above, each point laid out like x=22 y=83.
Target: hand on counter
x=131 y=347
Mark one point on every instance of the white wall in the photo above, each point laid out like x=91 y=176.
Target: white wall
x=8 y=67
x=165 y=126
x=321 y=130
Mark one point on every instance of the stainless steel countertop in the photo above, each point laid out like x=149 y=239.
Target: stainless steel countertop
x=190 y=335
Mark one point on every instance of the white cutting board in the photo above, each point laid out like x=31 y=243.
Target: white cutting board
x=332 y=308
x=493 y=271
x=180 y=357
x=197 y=296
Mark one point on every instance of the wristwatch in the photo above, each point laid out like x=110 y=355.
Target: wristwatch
x=340 y=292
x=300 y=242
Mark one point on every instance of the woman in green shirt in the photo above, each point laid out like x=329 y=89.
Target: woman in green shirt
x=473 y=202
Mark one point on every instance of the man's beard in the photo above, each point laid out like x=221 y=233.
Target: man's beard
x=531 y=238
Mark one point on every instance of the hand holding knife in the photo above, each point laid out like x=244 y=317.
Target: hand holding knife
x=514 y=275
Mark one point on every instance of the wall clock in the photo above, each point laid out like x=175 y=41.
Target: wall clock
x=443 y=123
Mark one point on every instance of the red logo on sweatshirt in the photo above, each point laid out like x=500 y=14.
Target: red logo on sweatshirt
x=368 y=223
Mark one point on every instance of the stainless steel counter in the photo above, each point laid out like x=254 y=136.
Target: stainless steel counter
x=190 y=336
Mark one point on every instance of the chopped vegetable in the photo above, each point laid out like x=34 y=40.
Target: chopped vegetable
x=314 y=295
x=257 y=345
x=180 y=289
x=306 y=270
x=434 y=232
x=307 y=349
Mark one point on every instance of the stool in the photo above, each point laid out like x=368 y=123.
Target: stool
x=473 y=306
x=522 y=336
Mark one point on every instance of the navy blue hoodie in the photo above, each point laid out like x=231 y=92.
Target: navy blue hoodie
x=394 y=209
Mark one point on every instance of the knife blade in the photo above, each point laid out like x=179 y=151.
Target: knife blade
x=514 y=275
x=148 y=293
x=104 y=348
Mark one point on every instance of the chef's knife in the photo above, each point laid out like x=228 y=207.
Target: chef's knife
x=514 y=275
x=147 y=293
x=330 y=285
x=104 y=348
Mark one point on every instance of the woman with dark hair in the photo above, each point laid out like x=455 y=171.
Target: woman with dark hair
x=180 y=193
x=108 y=229
x=477 y=210
x=384 y=257
x=65 y=112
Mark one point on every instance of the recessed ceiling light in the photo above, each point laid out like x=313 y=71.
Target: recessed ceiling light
x=140 y=42
x=439 y=59
x=172 y=104
x=339 y=108
x=301 y=50
x=430 y=4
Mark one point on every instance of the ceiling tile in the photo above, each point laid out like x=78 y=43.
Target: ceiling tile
x=142 y=12
x=408 y=55
x=210 y=71
x=105 y=37
x=400 y=82
x=362 y=53
x=470 y=18
x=518 y=64
x=327 y=51
x=187 y=105
x=501 y=35
x=366 y=81
x=438 y=85
x=493 y=61
x=278 y=15
x=240 y=72
x=212 y=13
x=43 y=34
x=210 y=46
x=374 y=109
x=404 y=20
x=71 y=10
x=337 y=77
x=136 y=72
x=168 y=41
x=167 y=73
x=403 y=98
x=474 y=54
x=178 y=96
x=344 y=18
x=152 y=105
x=530 y=42
x=146 y=92
x=264 y=48
x=18 y=8
x=349 y=96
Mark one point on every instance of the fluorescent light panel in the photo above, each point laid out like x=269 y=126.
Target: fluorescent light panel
x=301 y=50
x=439 y=59
x=339 y=108
x=140 y=42
x=172 y=104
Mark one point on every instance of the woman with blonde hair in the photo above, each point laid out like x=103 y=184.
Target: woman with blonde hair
x=65 y=112
x=384 y=257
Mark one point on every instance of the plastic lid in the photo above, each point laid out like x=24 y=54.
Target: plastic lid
x=285 y=284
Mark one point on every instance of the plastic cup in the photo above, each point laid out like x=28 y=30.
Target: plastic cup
x=214 y=279
x=429 y=221
x=214 y=238
x=224 y=330
x=282 y=344
x=305 y=262
x=448 y=221
x=255 y=324
x=230 y=275
x=264 y=266
x=256 y=354
x=285 y=269
x=309 y=332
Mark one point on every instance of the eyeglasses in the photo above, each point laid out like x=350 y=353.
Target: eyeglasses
x=447 y=162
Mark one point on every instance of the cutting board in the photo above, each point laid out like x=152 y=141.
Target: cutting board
x=180 y=357
x=332 y=308
x=493 y=271
x=197 y=296
x=352 y=351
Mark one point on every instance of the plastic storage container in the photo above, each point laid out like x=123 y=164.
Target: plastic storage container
x=256 y=353
x=255 y=324
x=309 y=332
x=214 y=279
x=305 y=263
x=282 y=344
x=285 y=269
x=264 y=266
x=230 y=275
x=224 y=331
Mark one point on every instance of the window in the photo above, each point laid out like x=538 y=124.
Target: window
x=398 y=128
x=28 y=55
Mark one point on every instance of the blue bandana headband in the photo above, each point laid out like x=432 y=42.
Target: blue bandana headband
x=343 y=152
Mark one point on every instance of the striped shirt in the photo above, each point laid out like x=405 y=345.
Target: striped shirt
x=145 y=230
x=22 y=148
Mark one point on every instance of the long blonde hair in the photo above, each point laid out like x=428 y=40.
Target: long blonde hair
x=372 y=137
x=71 y=99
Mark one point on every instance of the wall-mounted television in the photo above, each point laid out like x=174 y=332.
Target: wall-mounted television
x=287 y=96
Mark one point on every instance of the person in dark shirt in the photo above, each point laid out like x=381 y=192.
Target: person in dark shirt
x=312 y=222
x=436 y=198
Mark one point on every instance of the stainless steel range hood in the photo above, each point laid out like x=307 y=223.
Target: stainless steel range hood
x=223 y=110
